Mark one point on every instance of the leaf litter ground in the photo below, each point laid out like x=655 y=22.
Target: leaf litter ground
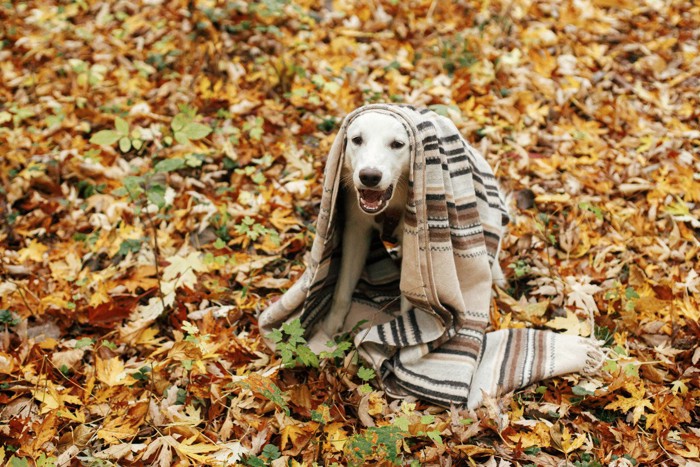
x=161 y=167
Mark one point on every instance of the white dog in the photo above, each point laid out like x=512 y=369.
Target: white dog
x=375 y=173
x=376 y=168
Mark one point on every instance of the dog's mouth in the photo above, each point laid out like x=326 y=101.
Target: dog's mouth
x=373 y=201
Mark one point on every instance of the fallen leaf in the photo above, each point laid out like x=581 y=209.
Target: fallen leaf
x=570 y=324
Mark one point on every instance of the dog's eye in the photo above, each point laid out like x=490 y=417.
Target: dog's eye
x=397 y=144
x=357 y=140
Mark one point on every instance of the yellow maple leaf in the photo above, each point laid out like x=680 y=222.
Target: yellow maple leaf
x=687 y=309
x=188 y=449
x=35 y=252
x=376 y=404
x=636 y=402
x=408 y=407
x=57 y=300
x=48 y=396
x=112 y=372
x=207 y=90
x=290 y=433
x=149 y=337
x=53 y=400
x=539 y=436
x=570 y=324
x=77 y=416
x=679 y=386
x=192 y=417
x=66 y=269
x=123 y=423
x=690 y=452
x=116 y=430
x=535 y=310
x=567 y=444
x=100 y=295
x=336 y=436
x=184 y=267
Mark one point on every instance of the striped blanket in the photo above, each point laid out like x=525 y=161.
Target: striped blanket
x=439 y=351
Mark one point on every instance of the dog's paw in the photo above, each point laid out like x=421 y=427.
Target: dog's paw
x=332 y=323
x=330 y=329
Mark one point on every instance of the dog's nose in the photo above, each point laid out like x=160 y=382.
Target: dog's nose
x=370 y=177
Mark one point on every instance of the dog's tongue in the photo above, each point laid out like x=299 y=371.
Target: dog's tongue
x=371 y=199
x=372 y=196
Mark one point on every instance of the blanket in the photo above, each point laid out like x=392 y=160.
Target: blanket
x=440 y=350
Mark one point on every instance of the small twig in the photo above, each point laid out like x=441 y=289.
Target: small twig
x=156 y=257
x=62 y=374
x=156 y=248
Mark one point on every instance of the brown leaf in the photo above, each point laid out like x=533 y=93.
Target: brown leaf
x=117 y=309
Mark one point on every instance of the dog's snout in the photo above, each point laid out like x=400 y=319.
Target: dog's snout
x=370 y=177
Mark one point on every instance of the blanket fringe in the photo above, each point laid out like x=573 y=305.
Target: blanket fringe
x=595 y=357
x=596 y=354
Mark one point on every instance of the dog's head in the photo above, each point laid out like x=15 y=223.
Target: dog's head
x=377 y=153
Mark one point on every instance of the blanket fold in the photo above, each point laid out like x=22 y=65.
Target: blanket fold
x=455 y=216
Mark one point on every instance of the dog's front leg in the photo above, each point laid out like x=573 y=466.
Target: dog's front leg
x=406 y=304
x=356 y=240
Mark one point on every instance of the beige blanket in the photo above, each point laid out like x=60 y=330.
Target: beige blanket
x=455 y=215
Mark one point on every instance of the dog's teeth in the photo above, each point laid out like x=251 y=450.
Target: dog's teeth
x=374 y=200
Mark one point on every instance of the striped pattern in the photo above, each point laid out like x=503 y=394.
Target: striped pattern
x=455 y=216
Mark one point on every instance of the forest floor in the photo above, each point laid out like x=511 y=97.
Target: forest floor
x=161 y=166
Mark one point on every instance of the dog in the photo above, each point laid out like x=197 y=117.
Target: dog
x=375 y=177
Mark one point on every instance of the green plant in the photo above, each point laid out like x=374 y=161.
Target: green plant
x=110 y=345
x=136 y=186
x=294 y=350
x=254 y=128
x=253 y=230
x=597 y=211
x=55 y=119
x=8 y=318
x=366 y=375
x=628 y=298
x=520 y=268
x=587 y=460
x=338 y=352
x=130 y=246
x=41 y=461
x=84 y=342
x=375 y=443
x=186 y=129
x=142 y=374
x=121 y=133
x=16 y=114
x=269 y=453
x=457 y=53
x=87 y=189
x=87 y=75
x=292 y=345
